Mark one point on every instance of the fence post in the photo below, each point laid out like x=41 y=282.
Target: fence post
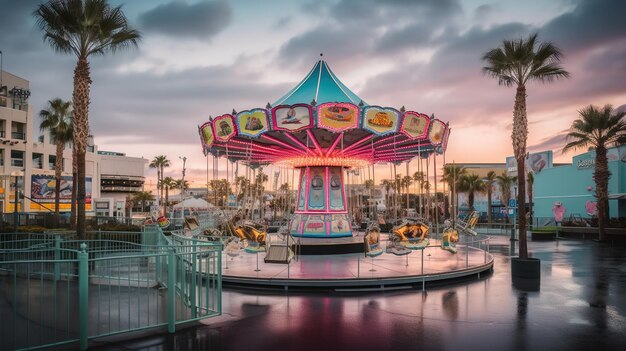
x=83 y=296
x=57 y=257
x=171 y=286
x=194 y=281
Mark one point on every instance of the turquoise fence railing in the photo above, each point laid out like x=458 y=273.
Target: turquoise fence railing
x=55 y=291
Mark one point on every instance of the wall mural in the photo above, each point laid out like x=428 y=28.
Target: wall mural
x=42 y=190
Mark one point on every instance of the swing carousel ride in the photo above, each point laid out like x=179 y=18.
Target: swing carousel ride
x=321 y=129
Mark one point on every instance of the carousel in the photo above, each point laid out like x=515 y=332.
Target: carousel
x=321 y=130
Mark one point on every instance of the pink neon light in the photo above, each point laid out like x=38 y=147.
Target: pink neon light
x=299 y=191
x=317 y=212
x=327 y=188
x=318 y=149
x=279 y=142
x=334 y=145
x=358 y=143
x=343 y=189
x=299 y=143
x=327 y=228
x=308 y=188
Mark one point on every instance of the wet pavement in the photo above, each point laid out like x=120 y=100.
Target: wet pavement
x=581 y=305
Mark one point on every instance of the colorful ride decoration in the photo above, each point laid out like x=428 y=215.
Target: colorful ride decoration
x=251 y=236
x=412 y=234
x=371 y=242
x=321 y=128
x=451 y=233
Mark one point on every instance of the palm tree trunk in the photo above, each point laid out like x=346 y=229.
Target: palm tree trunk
x=601 y=177
x=57 y=178
x=167 y=199
x=80 y=98
x=519 y=136
x=74 y=188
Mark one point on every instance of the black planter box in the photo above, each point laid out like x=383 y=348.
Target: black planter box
x=529 y=268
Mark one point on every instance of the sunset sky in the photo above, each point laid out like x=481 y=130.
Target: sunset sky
x=201 y=58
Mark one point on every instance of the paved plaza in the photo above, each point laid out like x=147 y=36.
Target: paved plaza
x=580 y=306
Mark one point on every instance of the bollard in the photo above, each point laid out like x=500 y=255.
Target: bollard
x=83 y=297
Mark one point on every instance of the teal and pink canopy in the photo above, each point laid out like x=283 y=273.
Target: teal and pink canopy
x=321 y=127
x=322 y=122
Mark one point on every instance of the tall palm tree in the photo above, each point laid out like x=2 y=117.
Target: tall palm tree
x=516 y=63
x=159 y=163
x=83 y=28
x=406 y=183
x=452 y=176
x=167 y=183
x=57 y=120
x=600 y=129
x=530 y=180
x=489 y=180
x=472 y=184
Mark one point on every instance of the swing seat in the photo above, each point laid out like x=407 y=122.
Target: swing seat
x=416 y=244
x=448 y=247
x=374 y=250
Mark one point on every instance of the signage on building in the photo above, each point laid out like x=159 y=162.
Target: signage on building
x=535 y=163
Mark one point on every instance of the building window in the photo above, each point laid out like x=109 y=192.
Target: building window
x=17 y=158
x=1 y=159
x=52 y=159
x=18 y=131
x=37 y=160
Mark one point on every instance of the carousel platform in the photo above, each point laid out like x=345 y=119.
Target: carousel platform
x=355 y=271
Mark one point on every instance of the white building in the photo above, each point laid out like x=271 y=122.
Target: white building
x=111 y=176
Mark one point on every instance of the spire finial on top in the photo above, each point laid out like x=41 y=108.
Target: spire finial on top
x=321 y=54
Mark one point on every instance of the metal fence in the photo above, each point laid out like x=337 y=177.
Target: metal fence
x=56 y=290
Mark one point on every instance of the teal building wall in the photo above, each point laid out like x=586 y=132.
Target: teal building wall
x=573 y=185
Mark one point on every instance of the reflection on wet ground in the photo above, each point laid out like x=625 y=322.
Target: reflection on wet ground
x=580 y=306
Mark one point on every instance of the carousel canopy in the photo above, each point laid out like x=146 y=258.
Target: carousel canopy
x=321 y=85
x=320 y=122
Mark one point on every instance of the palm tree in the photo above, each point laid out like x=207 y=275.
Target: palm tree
x=452 y=174
x=57 y=119
x=419 y=177
x=489 y=180
x=406 y=182
x=598 y=128
x=142 y=197
x=159 y=162
x=84 y=28
x=167 y=183
x=426 y=186
x=472 y=184
x=517 y=63
x=505 y=181
x=387 y=184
